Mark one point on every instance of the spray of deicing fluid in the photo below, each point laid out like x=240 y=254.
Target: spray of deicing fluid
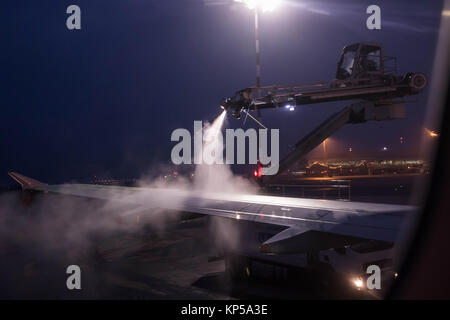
x=213 y=141
x=212 y=175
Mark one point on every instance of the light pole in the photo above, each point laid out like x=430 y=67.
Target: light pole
x=265 y=6
x=258 y=66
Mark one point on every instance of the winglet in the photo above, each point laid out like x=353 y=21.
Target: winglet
x=25 y=182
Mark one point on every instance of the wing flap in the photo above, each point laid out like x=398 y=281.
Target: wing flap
x=295 y=240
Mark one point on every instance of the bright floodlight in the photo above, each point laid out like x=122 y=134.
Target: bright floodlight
x=358 y=283
x=264 y=5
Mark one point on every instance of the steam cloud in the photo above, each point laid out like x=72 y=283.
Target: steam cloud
x=67 y=227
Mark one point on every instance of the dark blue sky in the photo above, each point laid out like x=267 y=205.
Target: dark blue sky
x=104 y=100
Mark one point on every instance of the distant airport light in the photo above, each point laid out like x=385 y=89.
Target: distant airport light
x=385 y=149
x=431 y=133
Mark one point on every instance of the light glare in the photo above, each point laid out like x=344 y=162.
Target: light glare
x=264 y=5
x=358 y=283
x=290 y=107
x=431 y=133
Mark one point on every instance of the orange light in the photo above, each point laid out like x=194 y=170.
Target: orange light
x=431 y=133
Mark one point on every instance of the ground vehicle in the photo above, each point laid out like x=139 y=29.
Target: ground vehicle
x=363 y=72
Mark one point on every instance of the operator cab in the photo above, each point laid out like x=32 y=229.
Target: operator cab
x=360 y=60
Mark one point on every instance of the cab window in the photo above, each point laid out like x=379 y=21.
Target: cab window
x=345 y=67
x=370 y=58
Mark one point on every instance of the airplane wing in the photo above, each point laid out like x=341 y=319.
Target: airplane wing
x=310 y=224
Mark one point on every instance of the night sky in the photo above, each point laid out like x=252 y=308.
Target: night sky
x=104 y=100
